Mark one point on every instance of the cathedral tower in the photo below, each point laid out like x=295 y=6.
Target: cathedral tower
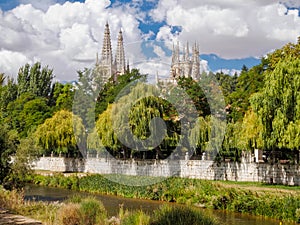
x=187 y=65
x=120 y=55
x=106 y=67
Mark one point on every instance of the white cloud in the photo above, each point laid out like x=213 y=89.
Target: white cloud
x=229 y=28
x=10 y=61
x=64 y=36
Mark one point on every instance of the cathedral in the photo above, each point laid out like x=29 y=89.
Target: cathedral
x=183 y=63
x=107 y=66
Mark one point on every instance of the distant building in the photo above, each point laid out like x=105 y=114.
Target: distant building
x=107 y=66
x=184 y=64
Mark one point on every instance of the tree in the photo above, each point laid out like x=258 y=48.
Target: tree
x=35 y=79
x=200 y=134
x=62 y=133
x=278 y=105
x=8 y=93
x=106 y=133
x=8 y=146
x=25 y=154
x=248 y=83
x=111 y=89
x=2 y=79
x=129 y=125
x=27 y=112
x=62 y=96
x=250 y=136
x=196 y=94
x=230 y=146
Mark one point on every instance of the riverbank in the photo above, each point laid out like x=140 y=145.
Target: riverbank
x=79 y=210
x=278 y=202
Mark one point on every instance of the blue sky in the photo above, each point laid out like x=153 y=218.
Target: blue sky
x=66 y=35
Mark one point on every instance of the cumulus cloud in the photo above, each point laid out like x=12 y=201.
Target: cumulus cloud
x=64 y=36
x=230 y=28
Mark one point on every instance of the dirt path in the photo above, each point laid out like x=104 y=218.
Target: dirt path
x=7 y=218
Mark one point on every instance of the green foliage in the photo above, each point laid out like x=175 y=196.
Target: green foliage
x=35 y=80
x=277 y=105
x=8 y=147
x=26 y=153
x=62 y=96
x=140 y=114
x=92 y=212
x=8 y=93
x=181 y=215
x=109 y=91
x=136 y=218
x=230 y=145
x=196 y=94
x=27 y=112
x=248 y=83
x=105 y=130
x=250 y=134
x=228 y=84
x=58 y=133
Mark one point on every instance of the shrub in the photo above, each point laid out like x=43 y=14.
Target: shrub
x=136 y=218
x=92 y=212
x=181 y=215
x=70 y=214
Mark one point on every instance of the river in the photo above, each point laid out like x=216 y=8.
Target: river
x=112 y=204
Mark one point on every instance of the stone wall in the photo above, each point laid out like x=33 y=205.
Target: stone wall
x=200 y=169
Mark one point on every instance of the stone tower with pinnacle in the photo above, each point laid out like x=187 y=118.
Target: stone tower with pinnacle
x=106 y=67
x=185 y=65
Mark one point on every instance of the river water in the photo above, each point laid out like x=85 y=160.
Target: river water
x=112 y=204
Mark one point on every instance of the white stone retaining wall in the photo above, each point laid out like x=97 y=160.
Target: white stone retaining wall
x=200 y=169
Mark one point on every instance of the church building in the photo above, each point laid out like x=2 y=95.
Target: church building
x=108 y=66
x=183 y=63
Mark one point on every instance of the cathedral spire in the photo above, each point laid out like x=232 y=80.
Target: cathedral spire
x=120 y=55
x=187 y=52
x=196 y=62
x=106 y=48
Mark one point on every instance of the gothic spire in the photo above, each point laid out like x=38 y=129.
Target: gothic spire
x=120 y=55
x=196 y=62
x=187 y=53
x=106 y=48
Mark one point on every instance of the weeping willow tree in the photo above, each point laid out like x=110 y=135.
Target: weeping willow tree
x=278 y=106
x=141 y=116
x=106 y=133
x=250 y=133
x=94 y=142
x=230 y=146
x=62 y=133
x=138 y=123
x=208 y=135
x=200 y=134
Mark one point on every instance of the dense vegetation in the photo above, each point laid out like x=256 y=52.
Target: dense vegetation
x=270 y=201
x=262 y=111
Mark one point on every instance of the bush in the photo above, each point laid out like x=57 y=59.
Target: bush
x=92 y=212
x=70 y=214
x=136 y=218
x=181 y=215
